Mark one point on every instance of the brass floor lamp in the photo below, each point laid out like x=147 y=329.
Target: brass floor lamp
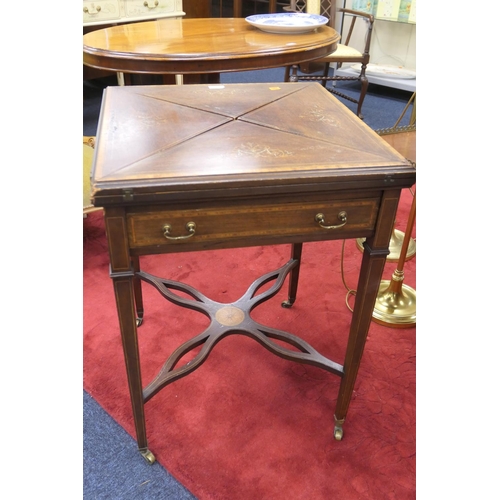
x=396 y=302
x=407 y=149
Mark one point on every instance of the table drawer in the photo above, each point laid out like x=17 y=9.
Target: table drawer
x=145 y=8
x=252 y=224
x=100 y=10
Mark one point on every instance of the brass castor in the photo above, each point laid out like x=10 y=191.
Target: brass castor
x=138 y=321
x=338 y=433
x=148 y=456
x=287 y=303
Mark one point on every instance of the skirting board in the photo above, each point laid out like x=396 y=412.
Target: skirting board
x=395 y=83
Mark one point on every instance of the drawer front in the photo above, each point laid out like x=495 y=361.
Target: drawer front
x=252 y=225
x=100 y=10
x=149 y=8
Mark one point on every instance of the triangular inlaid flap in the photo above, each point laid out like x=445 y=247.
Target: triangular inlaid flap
x=138 y=126
x=314 y=113
x=230 y=100
x=247 y=150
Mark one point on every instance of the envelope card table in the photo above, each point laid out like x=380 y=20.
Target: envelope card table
x=197 y=167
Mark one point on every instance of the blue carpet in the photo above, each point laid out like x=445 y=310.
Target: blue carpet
x=381 y=108
x=112 y=466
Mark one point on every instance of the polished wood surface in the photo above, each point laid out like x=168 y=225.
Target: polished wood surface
x=194 y=46
x=194 y=167
x=262 y=141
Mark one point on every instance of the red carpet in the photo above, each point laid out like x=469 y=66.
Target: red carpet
x=248 y=424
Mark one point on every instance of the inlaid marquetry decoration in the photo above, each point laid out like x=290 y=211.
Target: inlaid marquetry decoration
x=316 y=113
x=260 y=150
x=259 y=129
x=230 y=319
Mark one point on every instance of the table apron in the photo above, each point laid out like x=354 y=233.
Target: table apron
x=194 y=228
x=143 y=64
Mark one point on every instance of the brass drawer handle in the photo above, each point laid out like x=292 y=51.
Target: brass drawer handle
x=146 y=4
x=342 y=217
x=96 y=11
x=190 y=226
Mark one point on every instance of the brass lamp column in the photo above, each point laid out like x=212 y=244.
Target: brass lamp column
x=396 y=302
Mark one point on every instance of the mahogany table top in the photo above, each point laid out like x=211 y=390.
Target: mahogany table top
x=201 y=45
x=162 y=142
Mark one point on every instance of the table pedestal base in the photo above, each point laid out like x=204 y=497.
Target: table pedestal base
x=228 y=319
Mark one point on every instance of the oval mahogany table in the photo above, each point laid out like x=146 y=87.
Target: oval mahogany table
x=201 y=46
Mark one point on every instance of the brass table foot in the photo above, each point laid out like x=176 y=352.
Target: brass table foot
x=287 y=303
x=148 y=456
x=338 y=431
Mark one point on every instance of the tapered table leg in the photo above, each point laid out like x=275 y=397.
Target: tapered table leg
x=139 y=306
x=124 y=283
x=376 y=249
x=124 y=294
x=293 y=282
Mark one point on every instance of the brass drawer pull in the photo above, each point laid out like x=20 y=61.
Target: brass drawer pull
x=190 y=226
x=96 y=11
x=342 y=217
x=146 y=4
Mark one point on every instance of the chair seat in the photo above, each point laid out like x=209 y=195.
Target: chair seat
x=344 y=52
x=343 y=57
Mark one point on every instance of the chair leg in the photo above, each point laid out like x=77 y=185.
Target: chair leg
x=362 y=94
x=293 y=77
x=293 y=283
x=325 y=74
x=287 y=74
x=139 y=307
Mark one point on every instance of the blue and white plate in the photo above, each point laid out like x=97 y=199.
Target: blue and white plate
x=287 y=22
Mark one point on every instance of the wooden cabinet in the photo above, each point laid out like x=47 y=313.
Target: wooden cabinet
x=197 y=8
x=103 y=12
x=99 y=14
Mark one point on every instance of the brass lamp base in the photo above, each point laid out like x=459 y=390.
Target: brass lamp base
x=395 y=245
x=395 y=305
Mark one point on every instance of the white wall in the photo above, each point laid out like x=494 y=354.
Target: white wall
x=392 y=43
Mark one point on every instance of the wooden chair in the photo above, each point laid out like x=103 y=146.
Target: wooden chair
x=344 y=54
